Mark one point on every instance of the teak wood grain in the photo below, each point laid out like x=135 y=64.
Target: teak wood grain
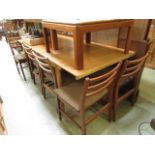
x=96 y=56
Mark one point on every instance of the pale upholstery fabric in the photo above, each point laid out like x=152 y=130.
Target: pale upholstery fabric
x=72 y=93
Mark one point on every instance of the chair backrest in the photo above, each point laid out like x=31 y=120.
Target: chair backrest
x=45 y=64
x=131 y=67
x=42 y=61
x=96 y=85
x=28 y=52
x=139 y=46
x=15 y=45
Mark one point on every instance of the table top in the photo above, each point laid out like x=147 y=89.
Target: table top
x=33 y=20
x=83 y=21
x=96 y=56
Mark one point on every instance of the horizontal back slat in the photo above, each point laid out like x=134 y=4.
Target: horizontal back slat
x=104 y=76
x=99 y=83
x=98 y=90
x=28 y=51
x=43 y=62
x=133 y=66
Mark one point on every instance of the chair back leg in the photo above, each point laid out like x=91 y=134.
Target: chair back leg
x=22 y=71
x=17 y=67
x=59 y=109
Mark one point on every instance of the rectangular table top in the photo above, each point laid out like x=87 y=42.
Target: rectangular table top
x=83 y=21
x=96 y=56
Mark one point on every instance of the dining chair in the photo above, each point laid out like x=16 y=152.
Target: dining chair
x=123 y=87
x=81 y=95
x=19 y=57
x=140 y=47
x=47 y=74
x=32 y=63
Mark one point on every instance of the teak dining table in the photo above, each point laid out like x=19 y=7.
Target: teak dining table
x=78 y=28
x=96 y=57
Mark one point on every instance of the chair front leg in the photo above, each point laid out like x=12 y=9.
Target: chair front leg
x=83 y=129
x=83 y=124
x=17 y=67
x=22 y=71
x=31 y=71
x=114 y=112
x=33 y=77
x=59 y=109
x=114 y=101
x=114 y=106
x=134 y=97
x=43 y=90
x=110 y=113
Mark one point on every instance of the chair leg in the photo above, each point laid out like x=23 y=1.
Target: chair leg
x=114 y=113
x=17 y=67
x=34 y=79
x=83 y=129
x=22 y=71
x=32 y=76
x=43 y=91
x=59 y=109
x=110 y=114
x=134 y=97
x=83 y=125
x=30 y=70
x=63 y=106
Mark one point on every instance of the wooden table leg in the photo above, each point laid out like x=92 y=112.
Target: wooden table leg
x=128 y=40
x=88 y=37
x=59 y=84
x=78 y=49
x=54 y=39
x=58 y=77
x=46 y=40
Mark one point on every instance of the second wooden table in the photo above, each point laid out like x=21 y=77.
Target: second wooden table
x=78 y=28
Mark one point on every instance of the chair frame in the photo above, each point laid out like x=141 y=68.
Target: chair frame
x=32 y=63
x=91 y=88
x=13 y=46
x=130 y=68
x=45 y=66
